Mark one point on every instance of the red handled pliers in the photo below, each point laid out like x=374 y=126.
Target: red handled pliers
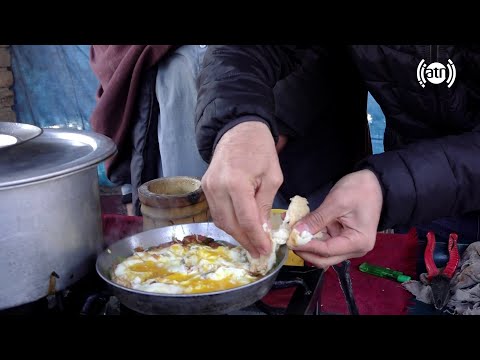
x=439 y=279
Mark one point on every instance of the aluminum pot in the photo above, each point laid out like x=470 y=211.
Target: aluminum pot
x=50 y=214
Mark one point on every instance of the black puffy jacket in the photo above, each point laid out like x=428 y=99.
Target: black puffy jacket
x=431 y=166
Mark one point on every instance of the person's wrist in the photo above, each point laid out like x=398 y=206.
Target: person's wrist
x=244 y=133
x=373 y=184
x=233 y=126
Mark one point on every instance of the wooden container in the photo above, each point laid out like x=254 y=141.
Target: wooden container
x=172 y=200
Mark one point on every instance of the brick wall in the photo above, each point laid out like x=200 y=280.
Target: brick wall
x=6 y=82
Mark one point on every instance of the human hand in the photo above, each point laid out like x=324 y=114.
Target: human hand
x=241 y=182
x=349 y=216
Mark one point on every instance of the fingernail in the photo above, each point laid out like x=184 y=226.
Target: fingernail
x=267 y=226
x=254 y=255
x=302 y=227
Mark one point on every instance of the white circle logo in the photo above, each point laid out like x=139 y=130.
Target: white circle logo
x=436 y=73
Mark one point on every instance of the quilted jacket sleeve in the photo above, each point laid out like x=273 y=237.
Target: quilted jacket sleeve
x=236 y=85
x=429 y=179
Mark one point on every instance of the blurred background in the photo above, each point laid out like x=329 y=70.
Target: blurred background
x=65 y=71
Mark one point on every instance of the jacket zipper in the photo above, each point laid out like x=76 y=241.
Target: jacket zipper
x=433 y=53
x=433 y=58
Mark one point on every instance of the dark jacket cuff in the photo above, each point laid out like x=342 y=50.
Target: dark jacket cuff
x=398 y=188
x=238 y=121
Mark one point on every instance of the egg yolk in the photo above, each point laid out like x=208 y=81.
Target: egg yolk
x=191 y=280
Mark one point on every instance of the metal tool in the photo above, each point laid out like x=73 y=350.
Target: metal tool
x=439 y=279
x=345 y=280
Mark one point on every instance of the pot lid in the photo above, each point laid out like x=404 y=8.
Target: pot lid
x=55 y=152
x=12 y=134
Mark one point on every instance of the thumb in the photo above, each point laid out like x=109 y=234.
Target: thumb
x=317 y=220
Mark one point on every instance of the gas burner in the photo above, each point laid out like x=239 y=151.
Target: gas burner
x=67 y=302
x=304 y=301
x=90 y=296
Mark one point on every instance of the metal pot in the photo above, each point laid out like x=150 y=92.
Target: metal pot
x=50 y=215
x=218 y=302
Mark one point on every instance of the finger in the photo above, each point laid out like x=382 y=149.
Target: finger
x=231 y=226
x=324 y=235
x=265 y=196
x=334 y=229
x=324 y=262
x=311 y=246
x=248 y=217
x=346 y=243
x=324 y=215
x=223 y=214
x=238 y=235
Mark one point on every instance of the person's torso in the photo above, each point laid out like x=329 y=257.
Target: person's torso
x=393 y=76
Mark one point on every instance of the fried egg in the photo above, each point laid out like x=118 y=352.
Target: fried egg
x=185 y=268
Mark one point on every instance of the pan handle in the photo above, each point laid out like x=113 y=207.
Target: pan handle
x=343 y=273
x=283 y=284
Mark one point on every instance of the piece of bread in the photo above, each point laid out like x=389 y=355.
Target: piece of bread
x=297 y=239
x=297 y=209
x=264 y=263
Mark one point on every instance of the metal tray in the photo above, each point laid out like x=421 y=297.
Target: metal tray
x=12 y=134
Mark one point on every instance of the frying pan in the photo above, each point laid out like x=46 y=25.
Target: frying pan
x=218 y=302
